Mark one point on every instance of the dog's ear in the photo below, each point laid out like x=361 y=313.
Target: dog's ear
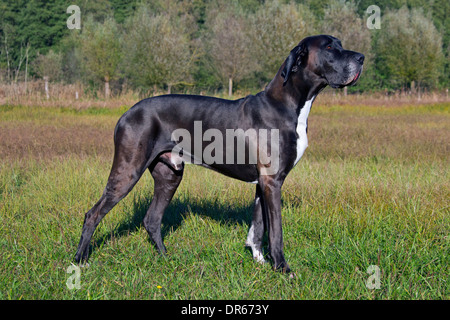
x=293 y=61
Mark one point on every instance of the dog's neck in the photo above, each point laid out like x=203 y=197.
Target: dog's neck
x=301 y=87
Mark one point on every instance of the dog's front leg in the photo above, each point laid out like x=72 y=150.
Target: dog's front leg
x=257 y=228
x=271 y=192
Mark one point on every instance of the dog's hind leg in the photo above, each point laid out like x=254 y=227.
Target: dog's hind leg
x=130 y=162
x=166 y=181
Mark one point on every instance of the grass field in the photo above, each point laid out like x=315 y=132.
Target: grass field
x=372 y=189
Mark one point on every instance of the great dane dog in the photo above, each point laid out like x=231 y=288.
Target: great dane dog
x=146 y=136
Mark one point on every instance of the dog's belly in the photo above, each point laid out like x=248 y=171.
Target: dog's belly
x=243 y=172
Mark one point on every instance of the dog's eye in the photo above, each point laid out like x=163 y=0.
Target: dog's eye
x=328 y=47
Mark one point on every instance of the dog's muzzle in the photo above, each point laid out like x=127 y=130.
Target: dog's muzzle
x=355 y=77
x=356 y=67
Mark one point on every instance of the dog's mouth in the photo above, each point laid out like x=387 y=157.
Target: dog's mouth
x=348 y=82
x=356 y=77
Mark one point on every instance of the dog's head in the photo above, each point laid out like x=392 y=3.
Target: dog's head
x=324 y=57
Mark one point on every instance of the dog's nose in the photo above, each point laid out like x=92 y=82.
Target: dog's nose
x=359 y=57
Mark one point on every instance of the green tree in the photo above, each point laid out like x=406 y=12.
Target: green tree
x=101 y=51
x=158 y=49
x=228 y=44
x=40 y=23
x=275 y=29
x=409 y=48
x=98 y=11
x=48 y=67
x=123 y=9
x=71 y=57
x=8 y=50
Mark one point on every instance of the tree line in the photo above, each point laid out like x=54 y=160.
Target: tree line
x=216 y=44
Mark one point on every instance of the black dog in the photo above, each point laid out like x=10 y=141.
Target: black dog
x=148 y=137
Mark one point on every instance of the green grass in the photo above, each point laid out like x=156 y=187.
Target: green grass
x=342 y=212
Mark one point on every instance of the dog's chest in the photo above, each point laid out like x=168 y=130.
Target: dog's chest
x=302 y=123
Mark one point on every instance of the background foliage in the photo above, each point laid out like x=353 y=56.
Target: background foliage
x=203 y=44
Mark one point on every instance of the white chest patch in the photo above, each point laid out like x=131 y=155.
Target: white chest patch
x=302 y=140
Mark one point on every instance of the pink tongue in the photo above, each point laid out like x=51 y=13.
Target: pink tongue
x=356 y=76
